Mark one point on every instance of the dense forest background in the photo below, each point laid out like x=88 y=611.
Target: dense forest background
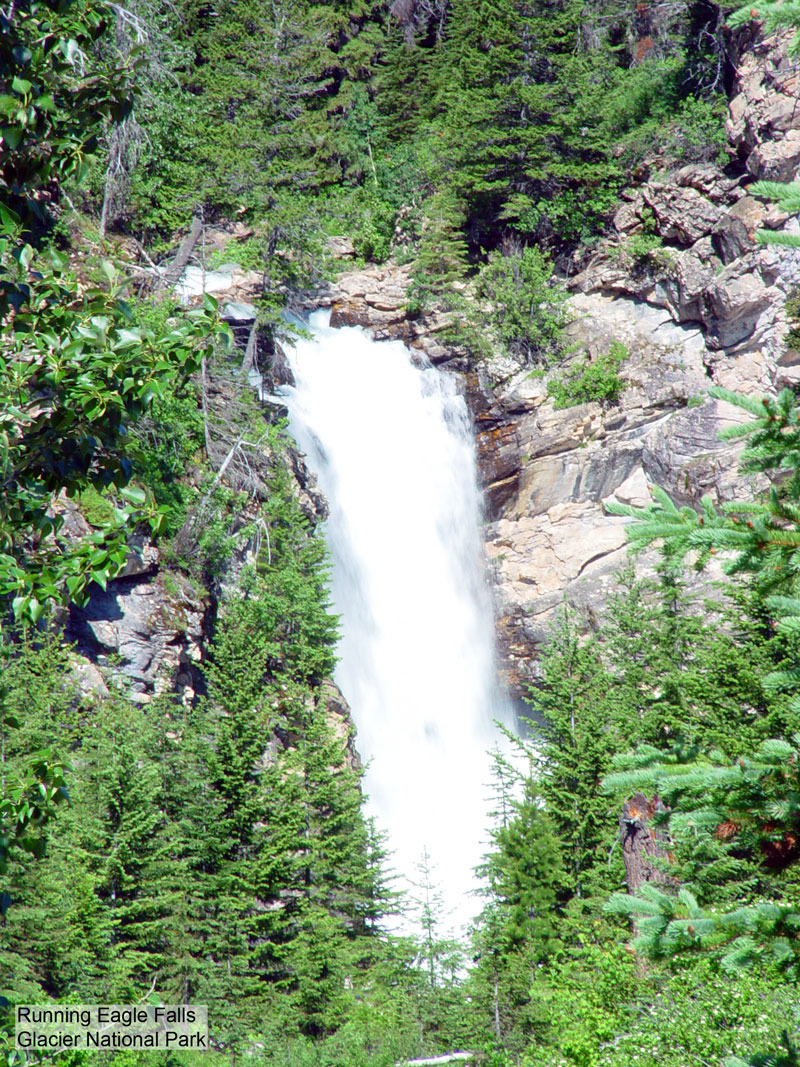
x=214 y=851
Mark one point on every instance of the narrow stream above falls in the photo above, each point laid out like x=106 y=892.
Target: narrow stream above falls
x=391 y=443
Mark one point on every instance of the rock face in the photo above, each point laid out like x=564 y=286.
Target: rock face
x=706 y=306
x=146 y=631
x=762 y=124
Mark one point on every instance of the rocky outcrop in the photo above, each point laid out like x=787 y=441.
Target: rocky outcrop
x=762 y=124
x=147 y=632
x=377 y=297
x=144 y=632
x=339 y=717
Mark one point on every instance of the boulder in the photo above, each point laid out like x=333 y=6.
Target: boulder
x=736 y=234
x=708 y=180
x=340 y=247
x=734 y=302
x=88 y=679
x=691 y=273
x=776 y=161
x=142 y=557
x=682 y=213
x=763 y=123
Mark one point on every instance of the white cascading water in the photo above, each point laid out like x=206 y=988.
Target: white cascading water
x=391 y=444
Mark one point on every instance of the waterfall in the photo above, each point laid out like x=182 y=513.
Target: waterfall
x=390 y=440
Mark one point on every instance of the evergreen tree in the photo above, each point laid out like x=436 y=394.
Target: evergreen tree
x=528 y=877
x=518 y=928
x=93 y=915
x=579 y=734
x=517 y=295
x=442 y=257
x=508 y=106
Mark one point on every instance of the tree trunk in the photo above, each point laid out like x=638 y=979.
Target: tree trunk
x=643 y=843
x=176 y=268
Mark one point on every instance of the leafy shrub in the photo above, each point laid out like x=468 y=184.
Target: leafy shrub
x=575 y=214
x=365 y=215
x=643 y=252
x=525 y=307
x=701 y=1015
x=793 y=315
x=647 y=110
x=596 y=379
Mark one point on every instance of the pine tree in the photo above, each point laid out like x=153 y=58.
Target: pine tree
x=515 y=109
x=94 y=914
x=529 y=876
x=518 y=928
x=442 y=257
x=687 y=668
x=579 y=731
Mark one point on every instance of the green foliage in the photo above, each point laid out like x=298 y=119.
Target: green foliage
x=503 y=130
x=647 y=109
x=534 y=111
x=442 y=256
x=643 y=252
x=28 y=802
x=181 y=818
x=585 y=1004
x=75 y=369
x=697 y=1014
x=579 y=742
x=365 y=215
x=260 y=90
x=522 y=305
x=55 y=100
x=528 y=875
x=167 y=440
x=591 y=379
